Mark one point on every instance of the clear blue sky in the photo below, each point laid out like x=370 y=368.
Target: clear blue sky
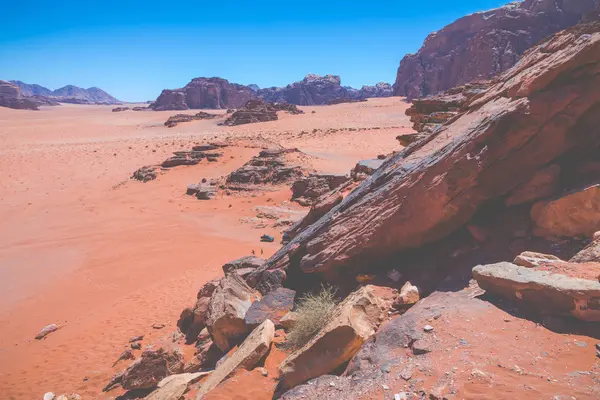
x=134 y=49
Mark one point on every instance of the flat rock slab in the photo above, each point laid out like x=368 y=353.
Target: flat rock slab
x=543 y=291
x=173 y=387
x=273 y=306
x=250 y=352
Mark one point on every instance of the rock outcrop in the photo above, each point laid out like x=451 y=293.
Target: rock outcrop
x=11 y=97
x=321 y=90
x=307 y=191
x=179 y=118
x=215 y=93
x=483 y=44
x=259 y=111
x=546 y=107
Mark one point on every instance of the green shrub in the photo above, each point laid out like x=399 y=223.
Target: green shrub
x=312 y=314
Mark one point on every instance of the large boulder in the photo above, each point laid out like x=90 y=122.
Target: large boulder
x=483 y=44
x=250 y=352
x=542 y=291
x=576 y=214
x=548 y=105
x=228 y=306
x=352 y=322
x=212 y=93
x=152 y=367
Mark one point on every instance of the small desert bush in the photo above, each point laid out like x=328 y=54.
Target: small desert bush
x=313 y=312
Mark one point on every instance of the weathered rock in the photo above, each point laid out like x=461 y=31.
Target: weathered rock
x=173 y=387
x=576 y=214
x=206 y=355
x=193 y=320
x=145 y=174
x=119 y=109
x=204 y=93
x=48 y=329
x=312 y=187
x=365 y=168
x=544 y=183
x=546 y=293
x=483 y=44
x=151 y=368
x=273 y=306
x=351 y=324
x=590 y=253
x=269 y=167
x=435 y=186
x=258 y=111
x=250 y=352
x=176 y=161
x=208 y=288
x=126 y=355
x=10 y=96
x=321 y=207
x=179 y=118
x=530 y=259
x=228 y=306
x=247 y=262
x=202 y=191
x=49 y=396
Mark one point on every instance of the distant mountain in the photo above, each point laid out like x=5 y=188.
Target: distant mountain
x=220 y=93
x=67 y=94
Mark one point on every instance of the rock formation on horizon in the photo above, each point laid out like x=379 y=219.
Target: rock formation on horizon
x=11 y=97
x=484 y=44
x=213 y=93
x=67 y=94
x=218 y=93
x=320 y=90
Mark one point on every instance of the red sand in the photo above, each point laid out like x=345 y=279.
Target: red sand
x=84 y=247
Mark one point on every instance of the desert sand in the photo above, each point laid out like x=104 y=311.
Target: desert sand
x=106 y=257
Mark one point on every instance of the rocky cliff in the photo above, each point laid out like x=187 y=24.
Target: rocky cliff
x=484 y=44
x=204 y=93
x=11 y=97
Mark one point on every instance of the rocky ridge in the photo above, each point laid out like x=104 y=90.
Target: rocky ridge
x=67 y=94
x=484 y=44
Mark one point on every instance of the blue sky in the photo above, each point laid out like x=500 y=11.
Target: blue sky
x=134 y=49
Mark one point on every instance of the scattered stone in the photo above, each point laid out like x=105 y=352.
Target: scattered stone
x=158 y=326
x=421 y=347
x=228 y=306
x=151 y=368
x=428 y=328
x=273 y=306
x=250 y=352
x=136 y=346
x=48 y=329
x=352 y=322
x=136 y=338
x=48 y=395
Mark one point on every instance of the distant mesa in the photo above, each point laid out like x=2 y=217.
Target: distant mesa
x=218 y=93
x=484 y=44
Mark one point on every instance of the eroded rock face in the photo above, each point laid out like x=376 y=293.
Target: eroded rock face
x=11 y=97
x=151 y=368
x=312 y=90
x=273 y=306
x=545 y=292
x=433 y=187
x=212 y=93
x=590 y=253
x=483 y=44
x=307 y=190
x=352 y=322
x=259 y=111
x=179 y=118
x=228 y=306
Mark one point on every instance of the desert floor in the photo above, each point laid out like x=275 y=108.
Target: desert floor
x=106 y=257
